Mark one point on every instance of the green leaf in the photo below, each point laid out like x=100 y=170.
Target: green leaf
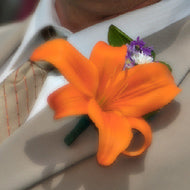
x=83 y=123
x=116 y=37
x=150 y=115
x=153 y=54
x=169 y=67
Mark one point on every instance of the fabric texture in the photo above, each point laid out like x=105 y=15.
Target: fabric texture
x=20 y=90
x=11 y=39
x=18 y=93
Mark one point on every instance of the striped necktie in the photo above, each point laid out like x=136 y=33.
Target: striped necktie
x=19 y=91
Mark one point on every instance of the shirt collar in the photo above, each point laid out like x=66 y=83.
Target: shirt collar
x=141 y=22
x=44 y=15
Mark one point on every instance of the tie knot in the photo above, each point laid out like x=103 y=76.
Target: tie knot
x=44 y=65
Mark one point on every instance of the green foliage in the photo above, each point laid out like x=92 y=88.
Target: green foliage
x=83 y=123
x=169 y=67
x=117 y=38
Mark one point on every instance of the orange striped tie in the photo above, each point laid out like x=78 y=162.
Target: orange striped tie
x=18 y=93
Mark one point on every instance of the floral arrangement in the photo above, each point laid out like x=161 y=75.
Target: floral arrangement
x=115 y=89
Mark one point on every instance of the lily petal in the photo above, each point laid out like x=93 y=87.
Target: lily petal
x=108 y=60
x=114 y=133
x=68 y=101
x=77 y=69
x=142 y=126
x=113 y=89
x=150 y=87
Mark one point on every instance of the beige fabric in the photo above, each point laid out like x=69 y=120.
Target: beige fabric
x=166 y=164
x=172 y=45
x=11 y=36
x=17 y=96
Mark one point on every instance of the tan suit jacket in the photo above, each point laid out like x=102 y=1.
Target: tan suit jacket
x=11 y=36
x=165 y=166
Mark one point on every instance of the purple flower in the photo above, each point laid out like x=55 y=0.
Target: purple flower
x=147 y=50
x=139 y=46
x=138 y=43
x=134 y=49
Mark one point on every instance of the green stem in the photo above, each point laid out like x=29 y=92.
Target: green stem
x=80 y=127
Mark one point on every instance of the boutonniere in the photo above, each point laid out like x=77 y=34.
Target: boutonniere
x=119 y=86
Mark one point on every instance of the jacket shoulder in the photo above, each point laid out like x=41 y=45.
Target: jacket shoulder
x=11 y=36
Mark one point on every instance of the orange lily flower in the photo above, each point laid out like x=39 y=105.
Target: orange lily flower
x=115 y=99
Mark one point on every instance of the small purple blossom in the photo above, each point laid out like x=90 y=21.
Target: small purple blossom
x=137 y=47
x=138 y=43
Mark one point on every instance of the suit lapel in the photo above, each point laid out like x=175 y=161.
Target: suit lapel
x=167 y=161
x=142 y=22
x=11 y=36
x=164 y=166
x=172 y=45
